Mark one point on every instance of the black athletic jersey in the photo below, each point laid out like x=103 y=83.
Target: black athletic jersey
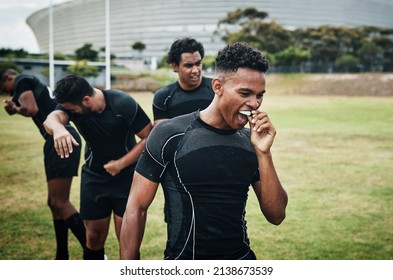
x=205 y=174
x=172 y=101
x=110 y=134
x=45 y=103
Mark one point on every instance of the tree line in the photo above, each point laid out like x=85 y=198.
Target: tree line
x=320 y=49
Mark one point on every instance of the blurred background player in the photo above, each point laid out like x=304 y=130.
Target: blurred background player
x=192 y=91
x=31 y=98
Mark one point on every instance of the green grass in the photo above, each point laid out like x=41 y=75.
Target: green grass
x=334 y=156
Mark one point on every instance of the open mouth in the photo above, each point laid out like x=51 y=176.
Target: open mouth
x=246 y=113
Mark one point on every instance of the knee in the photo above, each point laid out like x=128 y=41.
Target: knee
x=95 y=239
x=55 y=204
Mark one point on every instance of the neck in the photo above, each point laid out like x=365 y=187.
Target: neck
x=100 y=102
x=212 y=116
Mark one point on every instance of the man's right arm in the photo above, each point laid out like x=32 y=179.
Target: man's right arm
x=63 y=140
x=141 y=196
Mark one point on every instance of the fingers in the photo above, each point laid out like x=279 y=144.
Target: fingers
x=112 y=167
x=259 y=121
x=64 y=146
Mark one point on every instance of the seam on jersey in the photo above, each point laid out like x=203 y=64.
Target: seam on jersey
x=166 y=143
x=126 y=141
x=151 y=155
x=89 y=159
x=170 y=96
x=244 y=225
x=192 y=225
x=245 y=254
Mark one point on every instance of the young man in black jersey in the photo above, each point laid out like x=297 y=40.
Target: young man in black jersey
x=30 y=98
x=192 y=91
x=205 y=162
x=108 y=120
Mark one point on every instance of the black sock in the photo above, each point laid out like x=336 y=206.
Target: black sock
x=61 y=233
x=76 y=225
x=93 y=254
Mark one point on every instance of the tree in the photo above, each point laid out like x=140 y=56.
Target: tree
x=385 y=43
x=240 y=16
x=86 y=53
x=248 y=25
x=81 y=68
x=370 y=55
x=208 y=62
x=11 y=53
x=292 y=56
x=138 y=46
x=347 y=63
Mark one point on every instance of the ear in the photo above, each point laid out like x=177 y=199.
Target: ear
x=217 y=85
x=86 y=101
x=175 y=67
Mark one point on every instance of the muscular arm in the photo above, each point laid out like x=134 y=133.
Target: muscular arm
x=28 y=105
x=113 y=167
x=271 y=195
x=141 y=196
x=63 y=140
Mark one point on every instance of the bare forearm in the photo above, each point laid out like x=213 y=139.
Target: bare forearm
x=133 y=155
x=273 y=197
x=53 y=122
x=131 y=235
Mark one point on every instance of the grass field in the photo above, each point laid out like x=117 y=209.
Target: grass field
x=334 y=155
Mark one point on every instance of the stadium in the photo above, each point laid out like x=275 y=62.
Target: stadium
x=158 y=23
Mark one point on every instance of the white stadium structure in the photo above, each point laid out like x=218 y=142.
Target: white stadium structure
x=157 y=23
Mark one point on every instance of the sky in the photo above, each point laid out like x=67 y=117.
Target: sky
x=14 y=31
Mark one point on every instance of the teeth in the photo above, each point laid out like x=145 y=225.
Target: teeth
x=247 y=113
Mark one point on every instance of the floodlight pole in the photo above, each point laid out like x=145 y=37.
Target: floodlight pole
x=107 y=46
x=51 y=51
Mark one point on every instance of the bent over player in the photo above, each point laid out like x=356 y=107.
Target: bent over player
x=108 y=120
x=30 y=98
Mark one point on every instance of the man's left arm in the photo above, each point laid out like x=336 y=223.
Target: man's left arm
x=271 y=195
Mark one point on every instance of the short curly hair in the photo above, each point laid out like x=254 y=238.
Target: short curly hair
x=184 y=45
x=240 y=54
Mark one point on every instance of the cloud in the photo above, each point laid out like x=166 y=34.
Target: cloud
x=15 y=33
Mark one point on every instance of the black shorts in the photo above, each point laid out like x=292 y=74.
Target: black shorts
x=101 y=194
x=55 y=166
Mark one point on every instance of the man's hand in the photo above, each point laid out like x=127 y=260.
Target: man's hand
x=262 y=131
x=63 y=142
x=113 y=167
x=9 y=107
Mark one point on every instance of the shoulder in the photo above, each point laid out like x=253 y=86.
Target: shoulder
x=166 y=89
x=169 y=128
x=206 y=81
x=24 y=79
x=163 y=93
x=119 y=99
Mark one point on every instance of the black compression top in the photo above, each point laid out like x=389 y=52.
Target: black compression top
x=205 y=174
x=110 y=134
x=172 y=101
x=41 y=94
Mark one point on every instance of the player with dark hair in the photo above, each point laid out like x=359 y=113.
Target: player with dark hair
x=192 y=91
x=108 y=120
x=205 y=162
x=30 y=98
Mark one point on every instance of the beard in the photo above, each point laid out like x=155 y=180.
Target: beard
x=86 y=110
